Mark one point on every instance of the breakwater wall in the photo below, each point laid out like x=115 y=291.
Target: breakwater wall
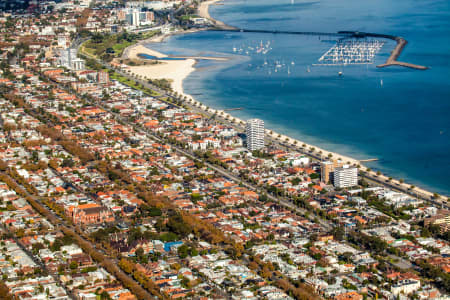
x=391 y=61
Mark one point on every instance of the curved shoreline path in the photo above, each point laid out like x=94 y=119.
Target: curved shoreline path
x=203 y=11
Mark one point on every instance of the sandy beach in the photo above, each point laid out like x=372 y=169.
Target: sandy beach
x=203 y=11
x=177 y=70
x=132 y=52
x=174 y=70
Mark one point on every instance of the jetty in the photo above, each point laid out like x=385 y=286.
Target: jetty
x=368 y=160
x=200 y=57
x=391 y=61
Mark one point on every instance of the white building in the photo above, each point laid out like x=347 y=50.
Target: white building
x=405 y=287
x=77 y=64
x=255 y=134
x=68 y=58
x=154 y=5
x=345 y=176
x=62 y=41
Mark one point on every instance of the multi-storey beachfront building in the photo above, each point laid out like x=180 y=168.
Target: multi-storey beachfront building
x=327 y=169
x=345 y=176
x=255 y=134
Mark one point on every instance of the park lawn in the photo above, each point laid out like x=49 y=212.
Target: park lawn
x=118 y=48
x=132 y=83
x=115 y=42
x=87 y=51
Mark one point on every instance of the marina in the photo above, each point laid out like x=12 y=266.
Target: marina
x=351 y=52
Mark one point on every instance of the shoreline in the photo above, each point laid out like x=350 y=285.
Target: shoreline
x=185 y=70
x=203 y=11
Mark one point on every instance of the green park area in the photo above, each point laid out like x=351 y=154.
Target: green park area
x=110 y=46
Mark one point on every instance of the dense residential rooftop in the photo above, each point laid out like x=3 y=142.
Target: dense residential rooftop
x=109 y=189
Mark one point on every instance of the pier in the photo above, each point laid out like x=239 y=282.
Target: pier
x=369 y=160
x=391 y=61
x=234 y=29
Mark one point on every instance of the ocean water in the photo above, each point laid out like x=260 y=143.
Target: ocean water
x=400 y=116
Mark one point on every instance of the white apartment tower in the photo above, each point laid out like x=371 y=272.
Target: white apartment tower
x=345 y=176
x=68 y=58
x=255 y=134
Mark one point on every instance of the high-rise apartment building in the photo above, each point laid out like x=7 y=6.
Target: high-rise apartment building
x=255 y=134
x=345 y=176
x=327 y=170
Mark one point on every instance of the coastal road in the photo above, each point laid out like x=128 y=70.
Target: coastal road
x=223 y=172
x=202 y=109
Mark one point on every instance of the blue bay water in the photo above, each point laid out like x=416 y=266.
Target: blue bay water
x=398 y=115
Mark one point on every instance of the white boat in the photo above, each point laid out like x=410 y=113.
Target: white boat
x=340 y=73
x=381 y=82
x=308 y=70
